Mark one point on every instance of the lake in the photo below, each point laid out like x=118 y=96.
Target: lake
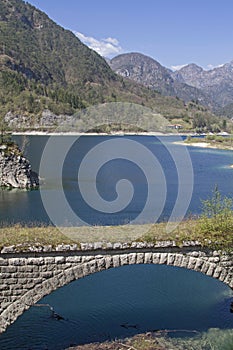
x=210 y=167
x=132 y=299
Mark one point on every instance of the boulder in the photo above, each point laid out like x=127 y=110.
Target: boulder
x=15 y=170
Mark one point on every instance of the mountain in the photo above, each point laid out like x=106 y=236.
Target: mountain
x=144 y=70
x=216 y=83
x=147 y=71
x=46 y=71
x=211 y=88
x=189 y=74
x=34 y=50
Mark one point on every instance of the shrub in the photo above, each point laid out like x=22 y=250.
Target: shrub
x=215 y=227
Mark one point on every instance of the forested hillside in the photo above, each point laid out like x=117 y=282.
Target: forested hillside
x=45 y=67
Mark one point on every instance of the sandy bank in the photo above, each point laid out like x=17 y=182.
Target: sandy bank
x=204 y=145
x=75 y=133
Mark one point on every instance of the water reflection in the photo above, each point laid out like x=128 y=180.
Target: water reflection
x=21 y=206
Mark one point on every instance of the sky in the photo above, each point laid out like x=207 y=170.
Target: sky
x=173 y=32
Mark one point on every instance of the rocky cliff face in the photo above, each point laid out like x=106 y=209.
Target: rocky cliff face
x=212 y=88
x=144 y=70
x=15 y=170
x=216 y=83
x=147 y=71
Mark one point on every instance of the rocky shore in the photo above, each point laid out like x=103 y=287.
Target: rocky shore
x=15 y=169
x=158 y=340
x=147 y=341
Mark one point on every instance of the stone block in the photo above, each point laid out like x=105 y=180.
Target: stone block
x=178 y=260
x=78 y=272
x=140 y=258
x=156 y=258
x=59 y=260
x=199 y=264
x=192 y=263
x=35 y=261
x=211 y=270
x=117 y=246
x=171 y=259
x=132 y=258
x=108 y=262
x=87 y=258
x=148 y=258
x=100 y=264
x=163 y=258
x=116 y=261
x=17 y=261
x=185 y=261
x=48 y=260
x=98 y=245
x=4 y=262
x=74 y=259
x=47 y=274
x=217 y=272
x=124 y=259
x=222 y=275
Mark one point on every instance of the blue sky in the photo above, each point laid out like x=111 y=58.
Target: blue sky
x=174 y=32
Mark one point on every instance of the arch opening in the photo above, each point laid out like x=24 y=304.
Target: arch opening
x=131 y=299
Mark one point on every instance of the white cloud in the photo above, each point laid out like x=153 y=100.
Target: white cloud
x=179 y=66
x=113 y=41
x=105 y=47
x=211 y=66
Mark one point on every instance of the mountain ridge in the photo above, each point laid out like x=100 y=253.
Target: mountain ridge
x=151 y=73
x=217 y=83
x=212 y=88
x=44 y=67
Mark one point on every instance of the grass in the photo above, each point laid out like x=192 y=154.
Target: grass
x=207 y=232
x=148 y=341
x=28 y=236
x=49 y=235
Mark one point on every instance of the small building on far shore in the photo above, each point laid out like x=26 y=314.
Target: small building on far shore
x=175 y=126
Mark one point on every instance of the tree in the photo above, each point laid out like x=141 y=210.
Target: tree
x=5 y=136
x=224 y=124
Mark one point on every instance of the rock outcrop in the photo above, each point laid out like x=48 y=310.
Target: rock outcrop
x=15 y=169
x=216 y=83
x=212 y=88
x=146 y=71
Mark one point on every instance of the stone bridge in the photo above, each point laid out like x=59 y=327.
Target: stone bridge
x=26 y=277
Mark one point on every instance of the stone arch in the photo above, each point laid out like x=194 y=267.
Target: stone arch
x=79 y=268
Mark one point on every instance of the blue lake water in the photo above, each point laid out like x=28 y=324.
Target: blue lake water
x=210 y=167
x=145 y=297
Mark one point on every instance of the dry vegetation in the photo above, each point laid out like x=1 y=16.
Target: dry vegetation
x=24 y=236
x=214 y=339
x=213 y=141
x=139 y=342
x=188 y=230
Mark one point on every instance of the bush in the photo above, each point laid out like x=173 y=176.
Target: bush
x=215 y=226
